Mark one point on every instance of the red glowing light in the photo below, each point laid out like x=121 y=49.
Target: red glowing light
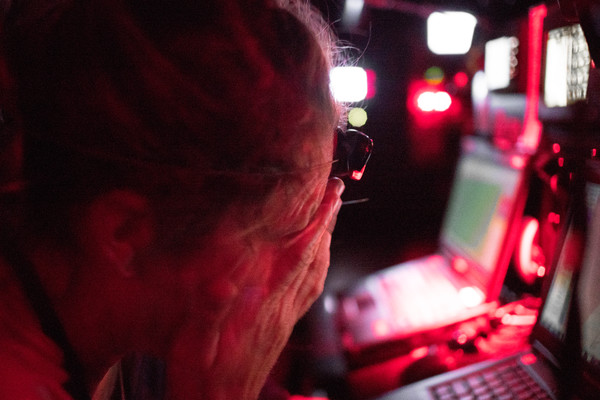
x=429 y=101
x=561 y=162
x=556 y=148
x=462 y=338
x=554 y=218
x=419 y=352
x=529 y=359
x=533 y=127
x=371 y=88
x=460 y=264
x=530 y=256
x=461 y=79
x=554 y=183
x=594 y=152
x=357 y=175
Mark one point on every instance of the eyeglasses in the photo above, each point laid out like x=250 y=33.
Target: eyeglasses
x=352 y=151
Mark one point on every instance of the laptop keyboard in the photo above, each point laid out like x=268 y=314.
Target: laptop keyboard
x=503 y=381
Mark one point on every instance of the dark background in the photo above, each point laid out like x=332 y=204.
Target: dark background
x=408 y=178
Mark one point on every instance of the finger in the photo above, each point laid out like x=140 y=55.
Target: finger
x=303 y=245
x=313 y=283
x=315 y=238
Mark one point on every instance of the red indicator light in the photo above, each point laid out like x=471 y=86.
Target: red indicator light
x=419 y=352
x=556 y=148
x=461 y=79
x=561 y=162
x=594 y=152
x=554 y=218
x=529 y=359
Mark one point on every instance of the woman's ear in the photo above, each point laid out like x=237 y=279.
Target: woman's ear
x=116 y=226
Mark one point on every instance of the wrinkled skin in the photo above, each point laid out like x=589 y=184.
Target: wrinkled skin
x=244 y=317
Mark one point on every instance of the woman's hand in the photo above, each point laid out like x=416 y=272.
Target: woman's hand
x=229 y=354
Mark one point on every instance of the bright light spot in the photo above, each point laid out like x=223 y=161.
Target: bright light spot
x=470 y=296
x=419 y=352
x=561 y=162
x=357 y=117
x=434 y=75
x=500 y=61
x=434 y=101
x=554 y=217
x=529 y=359
x=450 y=32
x=460 y=265
x=461 y=79
x=348 y=84
x=330 y=304
x=381 y=328
x=352 y=11
x=594 y=151
x=479 y=89
x=541 y=271
x=555 y=86
x=518 y=162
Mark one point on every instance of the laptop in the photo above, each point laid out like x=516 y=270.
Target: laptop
x=462 y=280
x=563 y=360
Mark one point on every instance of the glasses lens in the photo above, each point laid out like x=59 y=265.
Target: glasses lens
x=353 y=150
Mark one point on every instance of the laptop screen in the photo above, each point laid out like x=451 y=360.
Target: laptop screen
x=481 y=205
x=579 y=255
x=589 y=298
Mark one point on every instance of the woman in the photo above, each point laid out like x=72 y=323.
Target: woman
x=176 y=199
